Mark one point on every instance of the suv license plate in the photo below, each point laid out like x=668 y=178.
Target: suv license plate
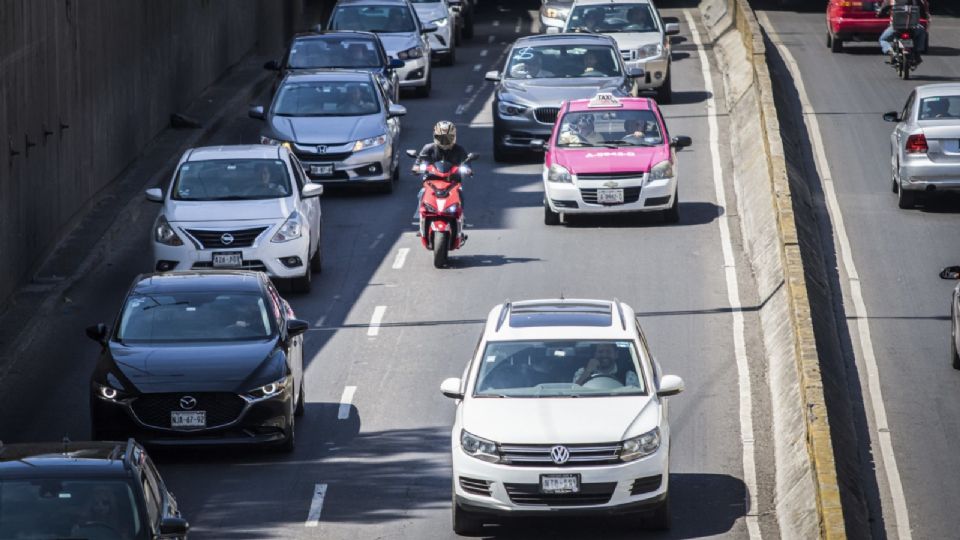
x=188 y=419
x=321 y=170
x=227 y=259
x=609 y=196
x=560 y=483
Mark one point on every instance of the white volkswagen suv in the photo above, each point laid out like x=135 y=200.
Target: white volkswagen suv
x=249 y=207
x=523 y=446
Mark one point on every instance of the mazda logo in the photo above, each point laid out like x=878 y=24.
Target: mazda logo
x=189 y=402
x=559 y=454
x=322 y=149
x=226 y=239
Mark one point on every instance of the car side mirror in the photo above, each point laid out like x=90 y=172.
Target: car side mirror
x=451 y=388
x=671 y=29
x=396 y=110
x=154 y=194
x=681 y=141
x=538 y=145
x=892 y=116
x=256 y=112
x=492 y=76
x=950 y=272
x=470 y=157
x=428 y=29
x=396 y=63
x=98 y=333
x=173 y=526
x=635 y=71
x=412 y=153
x=670 y=385
x=311 y=190
x=295 y=327
x=272 y=65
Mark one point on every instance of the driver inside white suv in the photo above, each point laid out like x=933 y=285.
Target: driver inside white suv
x=604 y=364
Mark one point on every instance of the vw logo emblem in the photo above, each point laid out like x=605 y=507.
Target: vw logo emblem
x=559 y=454
x=188 y=402
x=226 y=239
x=322 y=149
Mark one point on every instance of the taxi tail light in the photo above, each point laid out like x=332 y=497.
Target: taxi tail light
x=917 y=144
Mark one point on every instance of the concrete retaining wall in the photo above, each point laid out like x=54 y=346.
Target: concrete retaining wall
x=86 y=84
x=808 y=500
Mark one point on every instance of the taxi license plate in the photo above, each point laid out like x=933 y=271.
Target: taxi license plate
x=609 y=196
x=188 y=419
x=906 y=43
x=227 y=259
x=560 y=483
x=321 y=170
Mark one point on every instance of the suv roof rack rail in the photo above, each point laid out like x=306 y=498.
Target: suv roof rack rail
x=128 y=454
x=503 y=314
x=623 y=321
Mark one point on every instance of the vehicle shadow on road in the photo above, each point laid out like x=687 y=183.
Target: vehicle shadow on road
x=689 y=97
x=484 y=261
x=940 y=203
x=691 y=213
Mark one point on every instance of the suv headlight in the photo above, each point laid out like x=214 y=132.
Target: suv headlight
x=653 y=49
x=271 y=389
x=441 y=22
x=291 y=229
x=370 y=143
x=478 y=447
x=164 y=233
x=557 y=173
x=108 y=393
x=661 y=171
x=507 y=108
x=642 y=446
x=411 y=53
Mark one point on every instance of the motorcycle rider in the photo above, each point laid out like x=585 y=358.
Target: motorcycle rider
x=443 y=148
x=919 y=32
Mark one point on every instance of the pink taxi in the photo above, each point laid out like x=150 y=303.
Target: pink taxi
x=610 y=154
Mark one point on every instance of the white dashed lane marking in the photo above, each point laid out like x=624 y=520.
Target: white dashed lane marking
x=345 y=402
x=477 y=67
x=375 y=321
x=401 y=258
x=483 y=52
x=316 y=506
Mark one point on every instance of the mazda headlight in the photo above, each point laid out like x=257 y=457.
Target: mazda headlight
x=291 y=229
x=441 y=22
x=558 y=13
x=642 y=446
x=269 y=390
x=164 y=233
x=411 y=53
x=653 y=49
x=661 y=171
x=372 y=142
x=557 y=173
x=507 y=108
x=478 y=447
x=108 y=393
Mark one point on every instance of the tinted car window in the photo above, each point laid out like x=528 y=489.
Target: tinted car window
x=326 y=99
x=938 y=108
x=622 y=128
x=194 y=316
x=334 y=53
x=563 y=61
x=381 y=19
x=221 y=179
x=612 y=19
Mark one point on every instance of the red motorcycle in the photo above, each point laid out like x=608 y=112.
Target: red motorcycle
x=441 y=209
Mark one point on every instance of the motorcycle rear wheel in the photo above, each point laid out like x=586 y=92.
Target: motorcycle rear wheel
x=903 y=67
x=441 y=247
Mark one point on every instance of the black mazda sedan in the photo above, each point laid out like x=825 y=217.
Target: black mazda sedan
x=197 y=358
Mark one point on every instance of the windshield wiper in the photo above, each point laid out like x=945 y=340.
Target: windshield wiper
x=625 y=143
x=158 y=304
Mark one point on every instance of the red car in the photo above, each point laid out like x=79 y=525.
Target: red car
x=857 y=20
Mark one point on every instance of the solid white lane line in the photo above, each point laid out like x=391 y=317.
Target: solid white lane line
x=316 y=506
x=477 y=67
x=733 y=294
x=483 y=52
x=401 y=258
x=861 y=317
x=375 y=321
x=345 y=402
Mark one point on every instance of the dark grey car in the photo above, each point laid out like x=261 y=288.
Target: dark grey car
x=541 y=72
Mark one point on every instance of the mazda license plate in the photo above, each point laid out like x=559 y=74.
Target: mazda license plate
x=188 y=419
x=321 y=170
x=609 y=196
x=227 y=259
x=560 y=483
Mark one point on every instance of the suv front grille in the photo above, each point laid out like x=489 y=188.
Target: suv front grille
x=589 y=494
x=546 y=115
x=308 y=159
x=221 y=407
x=580 y=455
x=214 y=239
x=630 y=195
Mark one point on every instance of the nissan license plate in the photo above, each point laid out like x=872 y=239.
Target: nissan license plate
x=609 y=196
x=188 y=419
x=321 y=170
x=227 y=259
x=906 y=43
x=560 y=483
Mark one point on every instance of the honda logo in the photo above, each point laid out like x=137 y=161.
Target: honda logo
x=226 y=239
x=188 y=402
x=559 y=454
x=322 y=149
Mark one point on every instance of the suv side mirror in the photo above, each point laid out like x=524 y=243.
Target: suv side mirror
x=671 y=29
x=154 y=194
x=272 y=65
x=670 y=385
x=950 y=272
x=492 y=76
x=396 y=63
x=635 y=71
x=98 y=333
x=396 y=110
x=451 y=388
x=681 y=141
x=311 y=190
x=173 y=526
x=256 y=112
x=891 y=116
x=295 y=327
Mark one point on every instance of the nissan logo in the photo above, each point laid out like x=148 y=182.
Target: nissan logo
x=226 y=239
x=559 y=454
x=189 y=402
x=322 y=149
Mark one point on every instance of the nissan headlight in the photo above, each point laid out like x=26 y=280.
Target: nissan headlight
x=411 y=53
x=557 y=173
x=372 y=142
x=653 y=49
x=107 y=392
x=507 y=108
x=272 y=389
x=642 y=446
x=291 y=229
x=164 y=233
x=441 y=22
x=478 y=447
x=558 y=13
x=661 y=171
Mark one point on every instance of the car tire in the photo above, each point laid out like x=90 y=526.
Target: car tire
x=906 y=199
x=661 y=518
x=672 y=214
x=464 y=523
x=316 y=262
x=835 y=43
x=500 y=152
x=302 y=284
x=451 y=57
x=301 y=401
x=290 y=442
x=665 y=92
x=424 y=91
x=386 y=187
x=549 y=216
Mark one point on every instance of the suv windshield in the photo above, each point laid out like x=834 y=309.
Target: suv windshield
x=229 y=180
x=563 y=61
x=380 y=19
x=333 y=53
x=326 y=98
x=612 y=19
x=175 y=317
x=49 y=508
x=568 y=368
x=610 y=128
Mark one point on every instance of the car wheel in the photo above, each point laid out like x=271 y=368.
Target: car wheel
x=906 y=198
x=316 y=262
x=424 y=91
x=829 y=39
x=665 y=92
x=465 y=523
x=500 y=152
x=660 y=520
x=549 y=216
x=303 y=283
x=451 y=58
x=290 y=442
x=672 y=214
x=836 y=44
x=302 y=401
x=893 y=176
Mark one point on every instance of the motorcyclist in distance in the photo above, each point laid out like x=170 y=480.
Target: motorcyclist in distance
x=443 y=148
x=919 y=32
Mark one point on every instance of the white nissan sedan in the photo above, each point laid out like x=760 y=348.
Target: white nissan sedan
x=244 y=207
x=523 y=446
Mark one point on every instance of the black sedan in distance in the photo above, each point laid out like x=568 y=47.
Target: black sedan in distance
x=199 y=358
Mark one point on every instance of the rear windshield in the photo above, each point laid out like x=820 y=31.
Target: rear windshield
x=326 y=98
x=563 y=61
x=610 y=128
x=612 y=19
x=231 y=180
x=194 y=316
x=940 y=108
x=334 y=53
x=380 y=19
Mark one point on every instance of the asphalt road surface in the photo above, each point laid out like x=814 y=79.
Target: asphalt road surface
x=379 y=466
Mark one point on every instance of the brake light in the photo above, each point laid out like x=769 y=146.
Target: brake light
x=905 y=35
x=917 y=144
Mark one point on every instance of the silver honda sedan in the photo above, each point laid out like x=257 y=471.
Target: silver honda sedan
x=925 y=146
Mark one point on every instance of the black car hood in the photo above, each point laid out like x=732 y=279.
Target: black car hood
x=211 y=367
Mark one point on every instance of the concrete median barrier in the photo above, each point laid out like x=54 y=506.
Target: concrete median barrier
x=807 y=492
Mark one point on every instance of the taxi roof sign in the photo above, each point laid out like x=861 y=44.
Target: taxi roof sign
x=604 y=99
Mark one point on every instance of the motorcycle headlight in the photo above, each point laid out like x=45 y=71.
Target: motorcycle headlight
x=372 y=142
x=557 y=13
x=507 y=108
x=411 y=53
x=478 y=447
x=452 y=209
x=653 y=49
x=429 y=207
x=556 y=173
x=164 y=233
x=291 y=229
x=108 y=393
x=661 y=171
x=642 y=446
x=441 y=22
x=272 y=389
